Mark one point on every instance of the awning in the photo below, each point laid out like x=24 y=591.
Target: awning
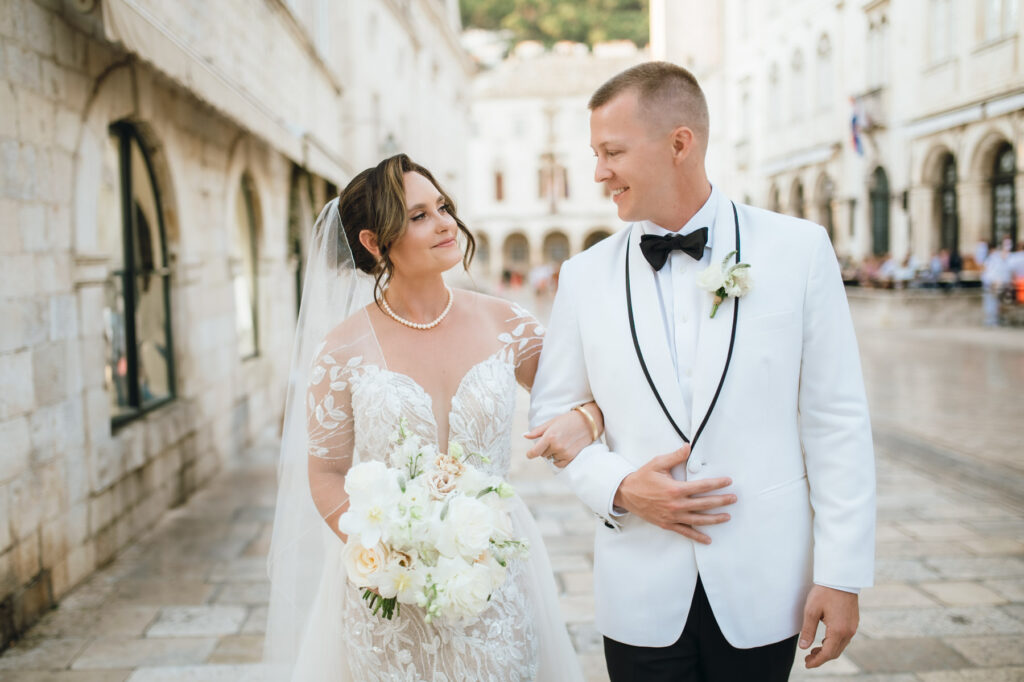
x=140 y=32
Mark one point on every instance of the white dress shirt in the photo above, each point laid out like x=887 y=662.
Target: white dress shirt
x=681 y=300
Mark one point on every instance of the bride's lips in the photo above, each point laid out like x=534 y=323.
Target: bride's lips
x=446 y=243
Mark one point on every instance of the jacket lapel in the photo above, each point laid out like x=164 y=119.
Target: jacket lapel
x=714 y=340
x=650 y=330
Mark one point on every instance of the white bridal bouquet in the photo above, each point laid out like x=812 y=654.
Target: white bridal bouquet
x=429 y=529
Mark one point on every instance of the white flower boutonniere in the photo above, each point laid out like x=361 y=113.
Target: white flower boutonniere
x=725 y=280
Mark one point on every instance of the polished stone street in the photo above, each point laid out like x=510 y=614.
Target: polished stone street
x=188 y=601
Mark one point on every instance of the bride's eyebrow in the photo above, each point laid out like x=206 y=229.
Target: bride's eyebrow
x=422 y=205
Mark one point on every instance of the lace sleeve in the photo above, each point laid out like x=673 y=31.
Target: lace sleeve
x=330 y=427
x=523 y=338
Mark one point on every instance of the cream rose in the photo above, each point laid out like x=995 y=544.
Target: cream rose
x=448 y=463
x=441 y=483
x=362 y=563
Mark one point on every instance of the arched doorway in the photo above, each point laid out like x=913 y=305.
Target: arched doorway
x=556 y=248
x=878 y=193
x=244 y=267
x=1004 y=199
x=300 y=224
x=949 y=220
x=516 y=254
x=825 y=195
x=796 y=199
x=594 y=237
x=482 y=257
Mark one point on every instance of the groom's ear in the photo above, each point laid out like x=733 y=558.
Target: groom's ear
x=683 y=142
x=369 y=241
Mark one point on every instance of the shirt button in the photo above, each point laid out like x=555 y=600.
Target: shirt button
x=694 y=466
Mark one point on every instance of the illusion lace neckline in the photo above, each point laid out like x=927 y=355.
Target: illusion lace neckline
x=451 y=402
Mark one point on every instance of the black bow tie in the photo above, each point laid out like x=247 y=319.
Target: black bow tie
x=656 y=249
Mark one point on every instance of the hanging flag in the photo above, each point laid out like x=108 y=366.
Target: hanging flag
x=856 y=125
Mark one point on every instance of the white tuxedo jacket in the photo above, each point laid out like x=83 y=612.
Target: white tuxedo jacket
x=790 y=427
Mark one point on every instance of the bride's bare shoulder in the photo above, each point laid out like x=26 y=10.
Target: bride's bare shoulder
x=350 y=334
x=500 y=310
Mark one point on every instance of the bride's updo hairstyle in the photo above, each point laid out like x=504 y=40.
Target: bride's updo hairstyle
x=375 y=200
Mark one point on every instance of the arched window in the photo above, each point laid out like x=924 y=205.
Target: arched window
x=949 y=221
x=1004 y=200
x=1000 y=18
x=826 y=194
x=773 y=199
x=796 y=200
x=139 y=372
x=244 y=260
x=556 y=248
x=878 y=191
x=823 y=77
x=594 y=237
x=300 y=224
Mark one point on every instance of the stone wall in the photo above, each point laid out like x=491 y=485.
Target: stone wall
x=73 y=490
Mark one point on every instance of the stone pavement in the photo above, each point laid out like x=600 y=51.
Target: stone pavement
x=188 y=601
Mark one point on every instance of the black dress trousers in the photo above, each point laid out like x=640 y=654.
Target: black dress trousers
x=701 y=654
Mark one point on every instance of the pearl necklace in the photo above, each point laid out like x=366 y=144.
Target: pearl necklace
x=418 y=325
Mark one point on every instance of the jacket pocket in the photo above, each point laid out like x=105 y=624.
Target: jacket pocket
x=767 y=323
x=781 y=488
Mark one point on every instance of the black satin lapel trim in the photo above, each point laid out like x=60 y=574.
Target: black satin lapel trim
x=732 y=335
x=640 y=354
x=728 y=357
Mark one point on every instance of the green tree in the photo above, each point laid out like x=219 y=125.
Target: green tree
x=583 y=21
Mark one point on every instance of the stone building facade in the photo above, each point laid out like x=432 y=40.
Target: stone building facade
x=895 y=123
x=532 y=198
x=162 y=164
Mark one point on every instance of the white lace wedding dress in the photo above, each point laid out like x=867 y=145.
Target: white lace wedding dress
x=355 y=402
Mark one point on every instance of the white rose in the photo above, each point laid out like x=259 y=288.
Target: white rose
x=711 y=278
x=361 y=563
x=739 y=282
x=466 y=530
x=466 y=588
x=472 y=481
x=371 y=482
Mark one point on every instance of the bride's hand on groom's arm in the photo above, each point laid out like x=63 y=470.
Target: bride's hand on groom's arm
x=561 y=439
x=651 y=493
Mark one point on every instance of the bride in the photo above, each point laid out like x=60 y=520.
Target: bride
x=380 y=339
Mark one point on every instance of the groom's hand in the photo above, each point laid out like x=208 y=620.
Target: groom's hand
x=651 y=493
x=839 y=611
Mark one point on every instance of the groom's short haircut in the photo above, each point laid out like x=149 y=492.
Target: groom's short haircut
x=669 y=96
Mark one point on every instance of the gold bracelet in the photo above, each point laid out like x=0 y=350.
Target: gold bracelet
x=593 y=424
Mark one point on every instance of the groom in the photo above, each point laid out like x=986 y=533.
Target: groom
x=735 y=490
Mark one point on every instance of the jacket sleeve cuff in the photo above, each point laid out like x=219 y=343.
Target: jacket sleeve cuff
x=851 y=590
x=594 y=475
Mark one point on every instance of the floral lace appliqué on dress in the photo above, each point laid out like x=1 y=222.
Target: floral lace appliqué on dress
x=502 y=644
